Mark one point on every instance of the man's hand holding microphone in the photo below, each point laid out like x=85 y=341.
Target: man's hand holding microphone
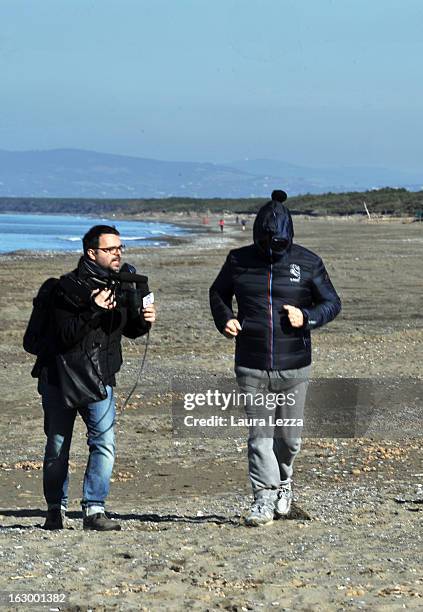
x=149 y=313
x=105 y=298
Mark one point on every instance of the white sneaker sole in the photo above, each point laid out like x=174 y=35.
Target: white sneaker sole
x=283 y=514
x=257 y=522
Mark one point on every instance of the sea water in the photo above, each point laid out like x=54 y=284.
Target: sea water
x=43 y=232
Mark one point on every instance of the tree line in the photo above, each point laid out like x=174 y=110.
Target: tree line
x=389 y=201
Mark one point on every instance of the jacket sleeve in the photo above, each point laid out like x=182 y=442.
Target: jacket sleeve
x=72 y=324
x=135 y=326
x=221 y=293
x=326 y=303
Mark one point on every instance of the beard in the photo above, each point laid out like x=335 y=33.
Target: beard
x=115 y=265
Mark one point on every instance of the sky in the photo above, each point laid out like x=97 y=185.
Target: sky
x=310 y=82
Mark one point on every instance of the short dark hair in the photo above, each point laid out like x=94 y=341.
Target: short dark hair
x=92 y=237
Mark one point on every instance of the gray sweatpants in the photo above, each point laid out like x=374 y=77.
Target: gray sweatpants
x=272 y=448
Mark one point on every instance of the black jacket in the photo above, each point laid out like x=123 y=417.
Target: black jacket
x=262 y=281
x=79 y=328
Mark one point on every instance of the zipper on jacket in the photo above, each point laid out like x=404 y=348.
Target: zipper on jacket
x=270 y=298
x=270 y=308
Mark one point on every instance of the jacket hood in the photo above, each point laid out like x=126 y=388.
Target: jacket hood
x=273 y=221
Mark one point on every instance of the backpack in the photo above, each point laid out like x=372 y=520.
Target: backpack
x=35 y=340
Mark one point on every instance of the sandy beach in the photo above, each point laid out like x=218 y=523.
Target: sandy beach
x=354 y=539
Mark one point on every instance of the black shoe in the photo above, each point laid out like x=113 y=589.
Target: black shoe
x=100 y=522
x=55 y=519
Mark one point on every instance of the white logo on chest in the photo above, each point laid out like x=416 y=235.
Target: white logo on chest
x=295 y=272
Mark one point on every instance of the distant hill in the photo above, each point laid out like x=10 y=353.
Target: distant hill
x=337 y=179
x=73 y=173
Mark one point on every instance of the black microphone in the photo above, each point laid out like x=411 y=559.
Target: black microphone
x=129 y=277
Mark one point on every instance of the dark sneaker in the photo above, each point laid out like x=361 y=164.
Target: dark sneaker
x=284 y=500
x=100 y=522
x=55 y=519
x=263 y=509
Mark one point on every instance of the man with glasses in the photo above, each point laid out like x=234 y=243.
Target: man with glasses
x=283 y=292
x=86 y=326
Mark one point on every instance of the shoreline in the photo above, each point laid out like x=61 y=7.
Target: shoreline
x=197 y=229
x=190 y=229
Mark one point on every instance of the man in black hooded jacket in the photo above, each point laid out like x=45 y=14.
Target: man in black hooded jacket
x=283 y=291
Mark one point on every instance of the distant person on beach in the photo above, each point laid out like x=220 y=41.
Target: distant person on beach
x=243 y=224
x=283 y=291
x=88 y=312
x=222 y=224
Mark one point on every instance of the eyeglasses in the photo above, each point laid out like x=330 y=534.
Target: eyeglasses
x=113 y=250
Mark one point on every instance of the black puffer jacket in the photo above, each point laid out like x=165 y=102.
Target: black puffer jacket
x=262 y=281
x=76 y=329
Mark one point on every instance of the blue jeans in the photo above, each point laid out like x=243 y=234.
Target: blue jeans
x=99 y=417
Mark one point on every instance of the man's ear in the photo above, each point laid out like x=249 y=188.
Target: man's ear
x=91 y=254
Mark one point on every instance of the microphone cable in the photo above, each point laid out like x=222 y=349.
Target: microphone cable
x=140 y=371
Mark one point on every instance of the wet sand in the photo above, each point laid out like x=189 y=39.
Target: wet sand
x=354 y=540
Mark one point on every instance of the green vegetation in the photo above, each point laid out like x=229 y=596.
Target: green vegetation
x=382 y=201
